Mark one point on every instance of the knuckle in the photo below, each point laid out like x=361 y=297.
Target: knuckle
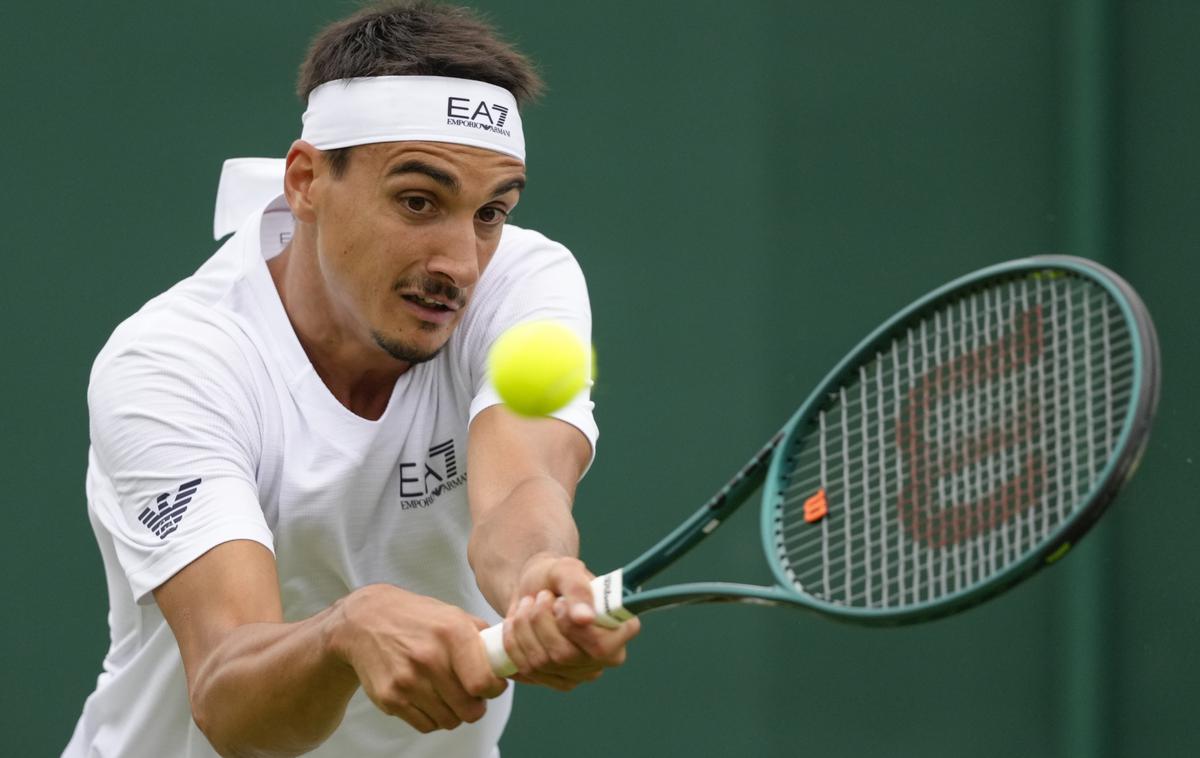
x=402 y=682
x=566 y=565
x=422 y=725
x=393 y=703
x=484 y=686
x=600 y=653
x=564 y=654
x=425 y=656
x=454 y=626
x=437 y=627
x=475 y=686
x=474 y=711
x=494 y=688
x=595 y=648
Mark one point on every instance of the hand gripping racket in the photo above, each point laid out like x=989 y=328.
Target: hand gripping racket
x=969 y=441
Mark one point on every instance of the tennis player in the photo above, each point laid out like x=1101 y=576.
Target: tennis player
x=307 y=497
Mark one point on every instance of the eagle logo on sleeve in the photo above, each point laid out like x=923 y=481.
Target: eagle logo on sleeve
x=164 y=516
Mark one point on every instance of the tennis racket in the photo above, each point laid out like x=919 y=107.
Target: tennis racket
x=969 y=441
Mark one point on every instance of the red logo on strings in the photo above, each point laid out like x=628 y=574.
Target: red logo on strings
x=929 y=512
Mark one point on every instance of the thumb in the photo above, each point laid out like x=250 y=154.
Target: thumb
x=575 y=590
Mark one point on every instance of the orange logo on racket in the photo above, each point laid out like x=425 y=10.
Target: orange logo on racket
x=816 y=507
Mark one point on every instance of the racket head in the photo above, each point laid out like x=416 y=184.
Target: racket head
x=972 y=403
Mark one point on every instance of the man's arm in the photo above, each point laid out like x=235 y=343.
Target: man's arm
x=262 y=687
x=524 y=547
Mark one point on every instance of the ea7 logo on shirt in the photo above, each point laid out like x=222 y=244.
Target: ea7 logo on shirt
x=164 y=517
x=421 y=483
x=463 y=111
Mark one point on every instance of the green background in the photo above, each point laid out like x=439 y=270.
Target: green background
x=750 y=187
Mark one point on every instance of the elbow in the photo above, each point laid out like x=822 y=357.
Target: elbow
x=209 y=723
x=205 y=720
x=473 y=550
x=233 y=737
x=478 y=557
x=198 y=701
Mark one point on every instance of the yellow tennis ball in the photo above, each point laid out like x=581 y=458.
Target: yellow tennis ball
x=538 y=366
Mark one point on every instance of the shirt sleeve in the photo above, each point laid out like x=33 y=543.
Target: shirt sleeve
x=175 y=440
x=530 y=279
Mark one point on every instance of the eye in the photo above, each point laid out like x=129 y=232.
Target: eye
x=492 y=215
x=416 y=204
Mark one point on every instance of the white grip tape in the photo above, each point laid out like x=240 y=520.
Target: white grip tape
x=607 y=592
x=493 y=641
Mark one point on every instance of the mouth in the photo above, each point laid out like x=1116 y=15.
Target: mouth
x=432 y=309
x=433 y=303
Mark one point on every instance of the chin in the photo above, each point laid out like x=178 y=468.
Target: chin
x=411 y=351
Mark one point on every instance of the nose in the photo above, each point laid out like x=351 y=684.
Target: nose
x=457 y=255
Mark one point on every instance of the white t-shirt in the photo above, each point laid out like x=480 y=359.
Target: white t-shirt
x=209 y=424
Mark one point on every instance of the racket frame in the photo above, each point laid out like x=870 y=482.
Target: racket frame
x=768 y=467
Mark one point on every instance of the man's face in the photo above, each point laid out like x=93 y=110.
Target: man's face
x=404 y=234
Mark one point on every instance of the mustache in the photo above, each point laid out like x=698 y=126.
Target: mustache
x=429 y=286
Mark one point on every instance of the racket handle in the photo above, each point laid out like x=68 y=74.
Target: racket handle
x=493 y=643
x=607 y=593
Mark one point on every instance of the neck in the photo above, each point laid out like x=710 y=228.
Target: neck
x=354 y=369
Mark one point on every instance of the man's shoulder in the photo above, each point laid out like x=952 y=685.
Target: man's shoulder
x=524 y=252
x=198 y=318
x=174 y=334
x=519 y=240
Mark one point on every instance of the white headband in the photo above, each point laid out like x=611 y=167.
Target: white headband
x=362 y=111
x=350 y=112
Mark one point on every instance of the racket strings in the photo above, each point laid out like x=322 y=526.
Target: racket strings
x=1098 y=331
x=987 y=554
x=798 y=529
x=1064 y=372
x=960 y=447
x=857 y=453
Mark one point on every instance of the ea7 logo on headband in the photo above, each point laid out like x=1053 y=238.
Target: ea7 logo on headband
x=463 y=111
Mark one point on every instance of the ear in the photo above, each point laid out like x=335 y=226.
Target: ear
x=303 y=162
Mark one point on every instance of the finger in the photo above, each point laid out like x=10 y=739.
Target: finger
x=571 y=580
x=415 y=718
x=543 y=680
x=517 y=635
x=604 y=645
x=587 y=639
x=429 y=701
x=409 y=706
x=564 y=682
x=532 y=616
x=463 y=705
x=469 y=662
x=545 y=623
x=629 y=629
x=560 y=682
x=449 y=703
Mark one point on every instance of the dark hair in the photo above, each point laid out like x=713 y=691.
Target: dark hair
x=414 y=39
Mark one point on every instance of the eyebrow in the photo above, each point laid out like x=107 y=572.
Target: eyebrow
x=512 y=184
x=449 y=181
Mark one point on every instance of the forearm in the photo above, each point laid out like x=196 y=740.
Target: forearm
x=272 y=689
x=533 y=519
